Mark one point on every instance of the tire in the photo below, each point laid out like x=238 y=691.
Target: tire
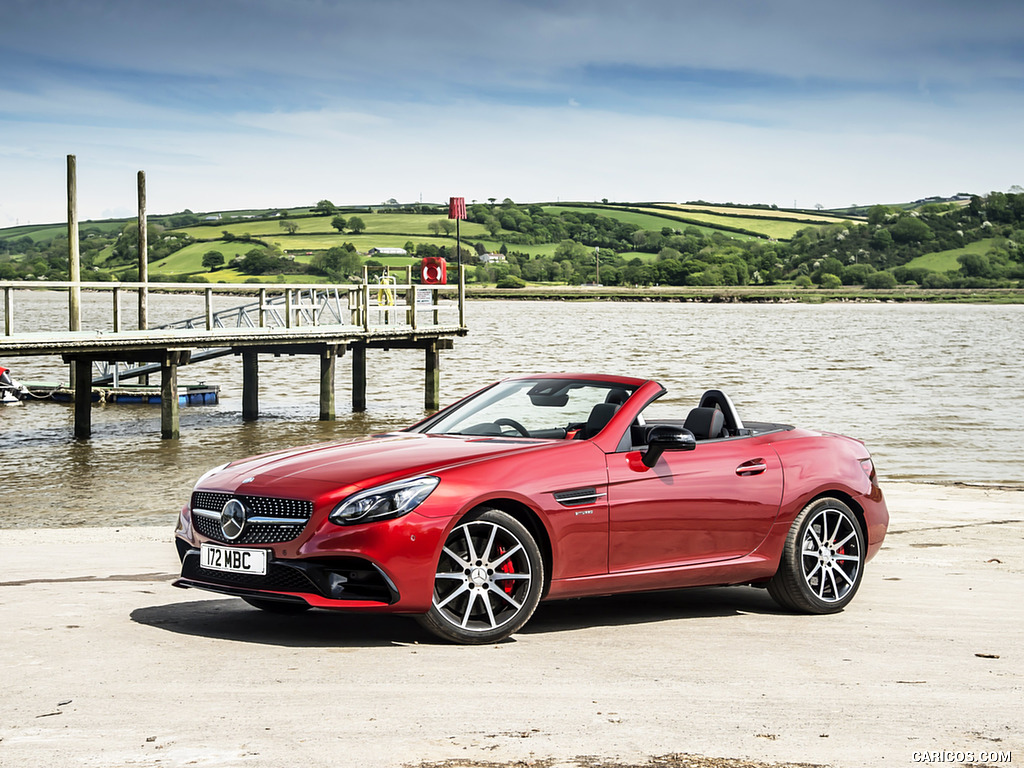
x=822 y=561
x=488 y=580
x=277 y=606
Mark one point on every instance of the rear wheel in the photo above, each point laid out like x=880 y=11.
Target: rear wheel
x=822 y=561
x=277 y=606
x=487 y=582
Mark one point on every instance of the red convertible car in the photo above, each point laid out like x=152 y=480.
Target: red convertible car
x=538 y=488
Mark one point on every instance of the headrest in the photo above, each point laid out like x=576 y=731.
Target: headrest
x=705 y=423
x=599 y=417
x=617 y=396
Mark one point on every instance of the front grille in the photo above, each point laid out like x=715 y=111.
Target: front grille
x=264 y=532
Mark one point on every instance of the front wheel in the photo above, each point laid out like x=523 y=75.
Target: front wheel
x=822 y=561
x=487 y=582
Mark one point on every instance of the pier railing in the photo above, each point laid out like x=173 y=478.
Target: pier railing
x=322 y=320
x=363 y=305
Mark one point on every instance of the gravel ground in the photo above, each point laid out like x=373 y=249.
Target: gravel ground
x=105 y=664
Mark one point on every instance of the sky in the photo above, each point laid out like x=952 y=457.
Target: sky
x=234 y=104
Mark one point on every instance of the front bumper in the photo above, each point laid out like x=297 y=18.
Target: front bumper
x=387 y=566
x=336 y=582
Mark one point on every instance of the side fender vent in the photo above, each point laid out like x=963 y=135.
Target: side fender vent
x=578 y=497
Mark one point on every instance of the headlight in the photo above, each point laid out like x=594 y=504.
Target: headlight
x=383 y=502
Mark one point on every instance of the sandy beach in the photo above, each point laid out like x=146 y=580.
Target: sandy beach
x=105 y=664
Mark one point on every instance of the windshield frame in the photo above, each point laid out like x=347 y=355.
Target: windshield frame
x=469 y=416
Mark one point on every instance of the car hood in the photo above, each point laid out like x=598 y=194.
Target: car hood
x=361 y=463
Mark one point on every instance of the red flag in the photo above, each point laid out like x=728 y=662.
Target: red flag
x=456 y=208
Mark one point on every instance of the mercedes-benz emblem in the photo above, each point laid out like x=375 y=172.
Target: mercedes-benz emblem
x=232 y=519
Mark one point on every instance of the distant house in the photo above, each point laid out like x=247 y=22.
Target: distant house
x=214 y=217
x=387 y=252
x=493 y=258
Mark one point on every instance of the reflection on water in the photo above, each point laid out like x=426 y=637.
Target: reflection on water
x=933 y=390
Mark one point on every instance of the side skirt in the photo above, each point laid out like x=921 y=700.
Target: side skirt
x=752 y=567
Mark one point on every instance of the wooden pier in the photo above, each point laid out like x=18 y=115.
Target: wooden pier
x=323 y=321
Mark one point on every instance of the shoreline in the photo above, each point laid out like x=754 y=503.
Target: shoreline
x=753 y=295
x=721 y=294
x=895 y=488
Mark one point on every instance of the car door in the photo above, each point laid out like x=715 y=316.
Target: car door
x=716 y=502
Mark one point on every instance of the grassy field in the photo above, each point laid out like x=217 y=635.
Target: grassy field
x=758 y=213
x=945 y=261
x=384 y=223
x=646 y=258
x=190 y=258
x=777 y=230
x=37 y=233
x=642 y=220
x=234 y=276
x=543 y=249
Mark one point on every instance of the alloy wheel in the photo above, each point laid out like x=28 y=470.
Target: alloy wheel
x=830 y=556
x=484 y=578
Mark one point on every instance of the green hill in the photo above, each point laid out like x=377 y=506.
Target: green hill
x=637 y=244
x=946 y=261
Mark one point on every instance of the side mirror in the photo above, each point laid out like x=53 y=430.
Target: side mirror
x=665 y=438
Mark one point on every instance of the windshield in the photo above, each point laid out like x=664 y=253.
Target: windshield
x=538 y=408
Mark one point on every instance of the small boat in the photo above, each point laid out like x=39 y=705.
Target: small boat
x=11 y=391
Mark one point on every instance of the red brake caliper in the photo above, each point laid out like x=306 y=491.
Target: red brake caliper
x=506 y=567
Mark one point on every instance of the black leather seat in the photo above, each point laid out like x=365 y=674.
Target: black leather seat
x=706 y=423
x=599 y=417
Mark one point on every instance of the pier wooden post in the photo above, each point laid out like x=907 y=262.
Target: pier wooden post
x=74 y=261
x=8 y=311
x=170 y=426
x=432 y=378
x=82 y=371
x=250 y=386
x=328 y=360
x=143 y=256
x=358 y=377
x=74 y=264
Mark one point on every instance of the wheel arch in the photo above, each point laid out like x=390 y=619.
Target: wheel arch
x=848 y=500
x=531 y=520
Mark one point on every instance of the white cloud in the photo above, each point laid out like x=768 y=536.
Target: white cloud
x=481 y=151
x=271 y=104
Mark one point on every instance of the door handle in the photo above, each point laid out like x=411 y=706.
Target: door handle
x=752 y=467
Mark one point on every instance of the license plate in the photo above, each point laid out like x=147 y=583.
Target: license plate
x=234 y=559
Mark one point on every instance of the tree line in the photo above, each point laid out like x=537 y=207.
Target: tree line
x=875 y=253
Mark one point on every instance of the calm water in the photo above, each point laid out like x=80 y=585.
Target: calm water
x=935 y=391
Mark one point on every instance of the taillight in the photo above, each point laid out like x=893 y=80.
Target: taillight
x=869 y=468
